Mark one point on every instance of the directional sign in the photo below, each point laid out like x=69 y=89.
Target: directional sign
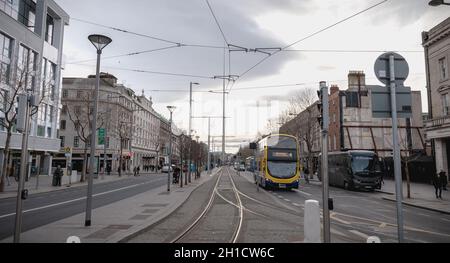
x=101 y=136
x=67 y=150
x=401 y=69
x=381 y=102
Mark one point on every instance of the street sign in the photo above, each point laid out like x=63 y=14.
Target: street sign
x=67 y=150
x=401 y=69
x=101 y=136
x=381 y=102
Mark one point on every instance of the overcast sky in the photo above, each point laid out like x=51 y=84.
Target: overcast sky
x=393 y=25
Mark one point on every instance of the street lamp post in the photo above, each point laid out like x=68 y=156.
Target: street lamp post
x=99 y=42
x=190 y=127
x=171 y=109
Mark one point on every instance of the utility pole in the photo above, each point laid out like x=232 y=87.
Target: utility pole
x=190 y=128
x=325 y=195
x=209 y=145
x=171 y=109
x=396 y=146
x=23 y=125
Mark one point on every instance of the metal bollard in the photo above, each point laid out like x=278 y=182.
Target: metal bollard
x=373 y=239
x=312 y=222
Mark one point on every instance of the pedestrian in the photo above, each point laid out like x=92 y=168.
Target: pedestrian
x=138 y=170
x=108 y=169
x=134 y=171
x=443 y=179
x=58 y=174
x=437 y=185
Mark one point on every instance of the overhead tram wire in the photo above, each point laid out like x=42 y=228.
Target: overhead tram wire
x=126 y=55
x=151 y=72
x=217 y=22
x=309 y=36
x=178 y=44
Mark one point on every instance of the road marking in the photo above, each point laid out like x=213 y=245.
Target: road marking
x=296 y=204
x=382 y=225
x=287 y=200
x=301 y=192
x=332 y=216
x=75 y=200
x=356 y=232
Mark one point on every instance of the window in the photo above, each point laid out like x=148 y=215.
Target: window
x=49 y=132
x=27 y=13
x=5 y=58
x=26 y=67
x=445 y=109
x=65 y=93
x=41 y=131
x=62 y=138
x=48 y=79
x=64 y=110
x=351 y=99
x=49 y=30
x=76 y=141
x=62 y=125
x=2 y=121
x=443 y=68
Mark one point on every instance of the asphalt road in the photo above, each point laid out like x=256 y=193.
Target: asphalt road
x=44 y=208
x=277 y=216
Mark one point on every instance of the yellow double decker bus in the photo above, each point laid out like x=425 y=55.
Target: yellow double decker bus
x=278 y=162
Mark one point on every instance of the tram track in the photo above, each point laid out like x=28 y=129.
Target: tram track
x=202 y=218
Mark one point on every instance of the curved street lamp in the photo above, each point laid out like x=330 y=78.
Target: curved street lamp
x=99 y=42
x=437 y=3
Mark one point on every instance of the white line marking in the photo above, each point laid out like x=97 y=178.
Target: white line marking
x=356 y=232
x=301 y=192
x=296 y=204
x=287 y=200
x=75 y=200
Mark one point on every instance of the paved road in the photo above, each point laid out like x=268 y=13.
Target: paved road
x=364 y=214
x=44 y=208
x=277 y=216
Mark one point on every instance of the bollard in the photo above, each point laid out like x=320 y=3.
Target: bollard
x=312 y=222
x=373 y=239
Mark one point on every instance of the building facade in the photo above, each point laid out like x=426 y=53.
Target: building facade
x=115 y=115
x=145 y=141
x=436 y=43
x=31 y=43
x=352 y=126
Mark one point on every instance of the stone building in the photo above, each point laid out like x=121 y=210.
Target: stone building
x=436 y=43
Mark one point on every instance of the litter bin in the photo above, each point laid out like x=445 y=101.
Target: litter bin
x=54 y=180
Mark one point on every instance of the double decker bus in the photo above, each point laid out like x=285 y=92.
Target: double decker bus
x=278 y=162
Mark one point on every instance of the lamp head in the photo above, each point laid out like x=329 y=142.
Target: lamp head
x=436 y=2
x=99 y=41
x=171 y=108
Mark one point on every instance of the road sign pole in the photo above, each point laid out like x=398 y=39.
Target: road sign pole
x=325 y=195
x=397 y=164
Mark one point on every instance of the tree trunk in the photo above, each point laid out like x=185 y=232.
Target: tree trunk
x=6 y=159
x=83 y=171
x=120 y=160
x=408 y=186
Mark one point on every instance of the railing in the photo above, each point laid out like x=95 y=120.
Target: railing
x=438 y=122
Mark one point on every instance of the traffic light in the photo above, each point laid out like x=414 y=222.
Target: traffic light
x=320 y=108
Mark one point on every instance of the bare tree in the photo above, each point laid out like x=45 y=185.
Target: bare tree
x=21 y=81
x=80 y=114
x=124 y=132
x=406 y=158
x=304 y=125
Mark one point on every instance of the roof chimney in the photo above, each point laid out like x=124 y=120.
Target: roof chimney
x=334 y=89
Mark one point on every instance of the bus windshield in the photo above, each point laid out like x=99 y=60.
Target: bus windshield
x=282 y=169
x=364 y=163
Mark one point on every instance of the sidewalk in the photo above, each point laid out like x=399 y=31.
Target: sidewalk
x=45 y=184
x=118 y=221
x=422 y=196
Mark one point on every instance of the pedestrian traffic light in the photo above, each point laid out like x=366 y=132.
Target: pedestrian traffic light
x=320 y=108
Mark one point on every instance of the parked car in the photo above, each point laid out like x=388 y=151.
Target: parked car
x=165 y=168
x=242 y=167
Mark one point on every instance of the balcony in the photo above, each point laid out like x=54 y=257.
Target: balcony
x=438 y=127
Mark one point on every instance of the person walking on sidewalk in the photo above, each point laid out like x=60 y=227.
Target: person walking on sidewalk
x=437 y=185
x=57 y=175
x=443 y=178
